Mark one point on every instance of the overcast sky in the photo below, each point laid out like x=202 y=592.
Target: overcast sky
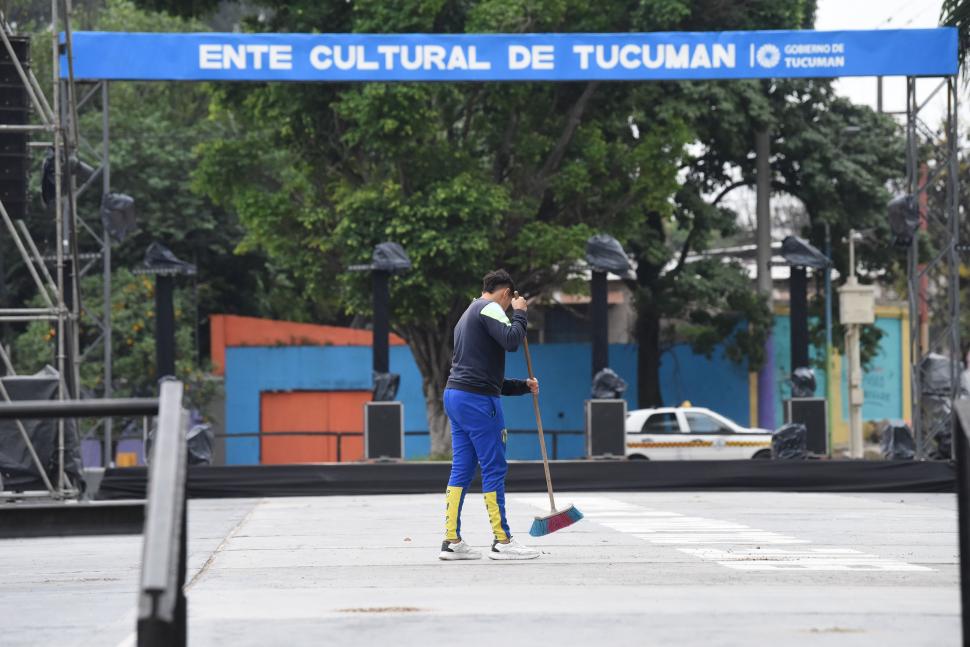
x=883 y=14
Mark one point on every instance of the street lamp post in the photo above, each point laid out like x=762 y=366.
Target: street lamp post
x=857 y=307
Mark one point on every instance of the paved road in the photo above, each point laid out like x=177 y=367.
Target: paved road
x=642 y=569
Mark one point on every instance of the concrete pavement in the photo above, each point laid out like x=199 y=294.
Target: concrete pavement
x=641 y=569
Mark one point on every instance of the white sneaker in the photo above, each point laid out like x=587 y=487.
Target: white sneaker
x=461 y=550
x=512 y=550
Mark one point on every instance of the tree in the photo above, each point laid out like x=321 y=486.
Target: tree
x=466 y=177
x=956 y=13
x=840 y=180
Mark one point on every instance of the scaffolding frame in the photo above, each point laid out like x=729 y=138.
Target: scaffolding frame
x=933 y=263
x=60 y=291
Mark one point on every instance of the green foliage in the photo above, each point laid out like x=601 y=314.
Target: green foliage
x=956 y=13
x=467 y=177
x=154 y=130
x=133 y=339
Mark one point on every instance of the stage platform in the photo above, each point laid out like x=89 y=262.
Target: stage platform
x=568 y=476
x=690 y=569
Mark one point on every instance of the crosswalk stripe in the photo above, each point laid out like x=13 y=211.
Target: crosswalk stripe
x=667 y=528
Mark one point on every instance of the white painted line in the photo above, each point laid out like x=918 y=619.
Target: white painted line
x=662 y=527
x=813 y=559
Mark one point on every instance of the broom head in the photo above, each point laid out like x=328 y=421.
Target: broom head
x=556 y=520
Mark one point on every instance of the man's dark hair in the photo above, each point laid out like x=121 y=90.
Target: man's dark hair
x=497 y=279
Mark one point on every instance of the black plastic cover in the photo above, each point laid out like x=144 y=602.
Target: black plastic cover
x=936 y=417
x=118 y=215
x=160 y=257
x=935 y=376
x=897 y=441
x=800 y=253
x=903 y=219
x=199 y=438
x=790 y=442
x=48 y=183
x=803 y=383
x=198 y=441
x=604 y=253
x=607 y=385
x=385 y=386
x=390 y=257
x=19 y=472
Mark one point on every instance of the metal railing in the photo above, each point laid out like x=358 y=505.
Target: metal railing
x=161 y=594
x=553 y=434
x=20 y=410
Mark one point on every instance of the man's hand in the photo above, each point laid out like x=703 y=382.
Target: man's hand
x=519 y=303
x=533 y=385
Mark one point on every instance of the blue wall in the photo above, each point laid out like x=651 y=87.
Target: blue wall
x=563 y=371
x=564 y=374
x=716 y=383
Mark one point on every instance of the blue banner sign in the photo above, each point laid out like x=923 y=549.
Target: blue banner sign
x=513 y=57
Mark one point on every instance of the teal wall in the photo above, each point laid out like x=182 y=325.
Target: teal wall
x=882 y=383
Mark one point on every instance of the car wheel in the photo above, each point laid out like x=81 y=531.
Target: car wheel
x=637 y=457
x=764 y=454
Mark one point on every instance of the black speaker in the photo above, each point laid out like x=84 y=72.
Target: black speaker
x=813 y=413
x=14 y=110
x=384 y=430
x=605 y=428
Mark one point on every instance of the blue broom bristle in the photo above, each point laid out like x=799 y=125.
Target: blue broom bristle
x=555 y=521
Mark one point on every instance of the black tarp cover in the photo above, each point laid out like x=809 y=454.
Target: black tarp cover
x=390 y=257
x=413 y=477
x=800 y=253
x=896 y=441
x=16 y=465
x=803 y=383
x=161 y=258
x=118 y=215
x=790 y=442
x=386 y=386
x=607 y=385
x=604 y=253
x=903 y=219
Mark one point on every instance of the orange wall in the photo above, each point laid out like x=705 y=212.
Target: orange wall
x=233 y=330
x=311 y=411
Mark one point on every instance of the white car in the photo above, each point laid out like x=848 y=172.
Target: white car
x=691 y=433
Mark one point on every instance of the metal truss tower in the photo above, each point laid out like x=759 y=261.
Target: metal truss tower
x=933 y=268
x=58 y=131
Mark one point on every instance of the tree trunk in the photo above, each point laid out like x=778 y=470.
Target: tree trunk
x=438 y=427
x=648 y=357
x=431 y=345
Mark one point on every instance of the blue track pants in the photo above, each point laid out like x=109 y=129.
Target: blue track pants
x=477 y=438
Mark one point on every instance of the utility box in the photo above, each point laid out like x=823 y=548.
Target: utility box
x=384 y=430
x=813 y=414
x=606 y=428
x=857 y=303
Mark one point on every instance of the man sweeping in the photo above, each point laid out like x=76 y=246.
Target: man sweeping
x=472 y=401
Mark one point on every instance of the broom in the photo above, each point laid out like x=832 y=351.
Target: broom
x=556 y=519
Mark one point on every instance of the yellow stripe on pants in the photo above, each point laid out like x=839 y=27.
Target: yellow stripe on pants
x=495 y=516
x=453 y=501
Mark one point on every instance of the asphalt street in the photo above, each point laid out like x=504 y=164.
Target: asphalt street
x=641 y=569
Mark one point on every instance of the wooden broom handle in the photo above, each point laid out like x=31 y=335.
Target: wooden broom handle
x=535 y=405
